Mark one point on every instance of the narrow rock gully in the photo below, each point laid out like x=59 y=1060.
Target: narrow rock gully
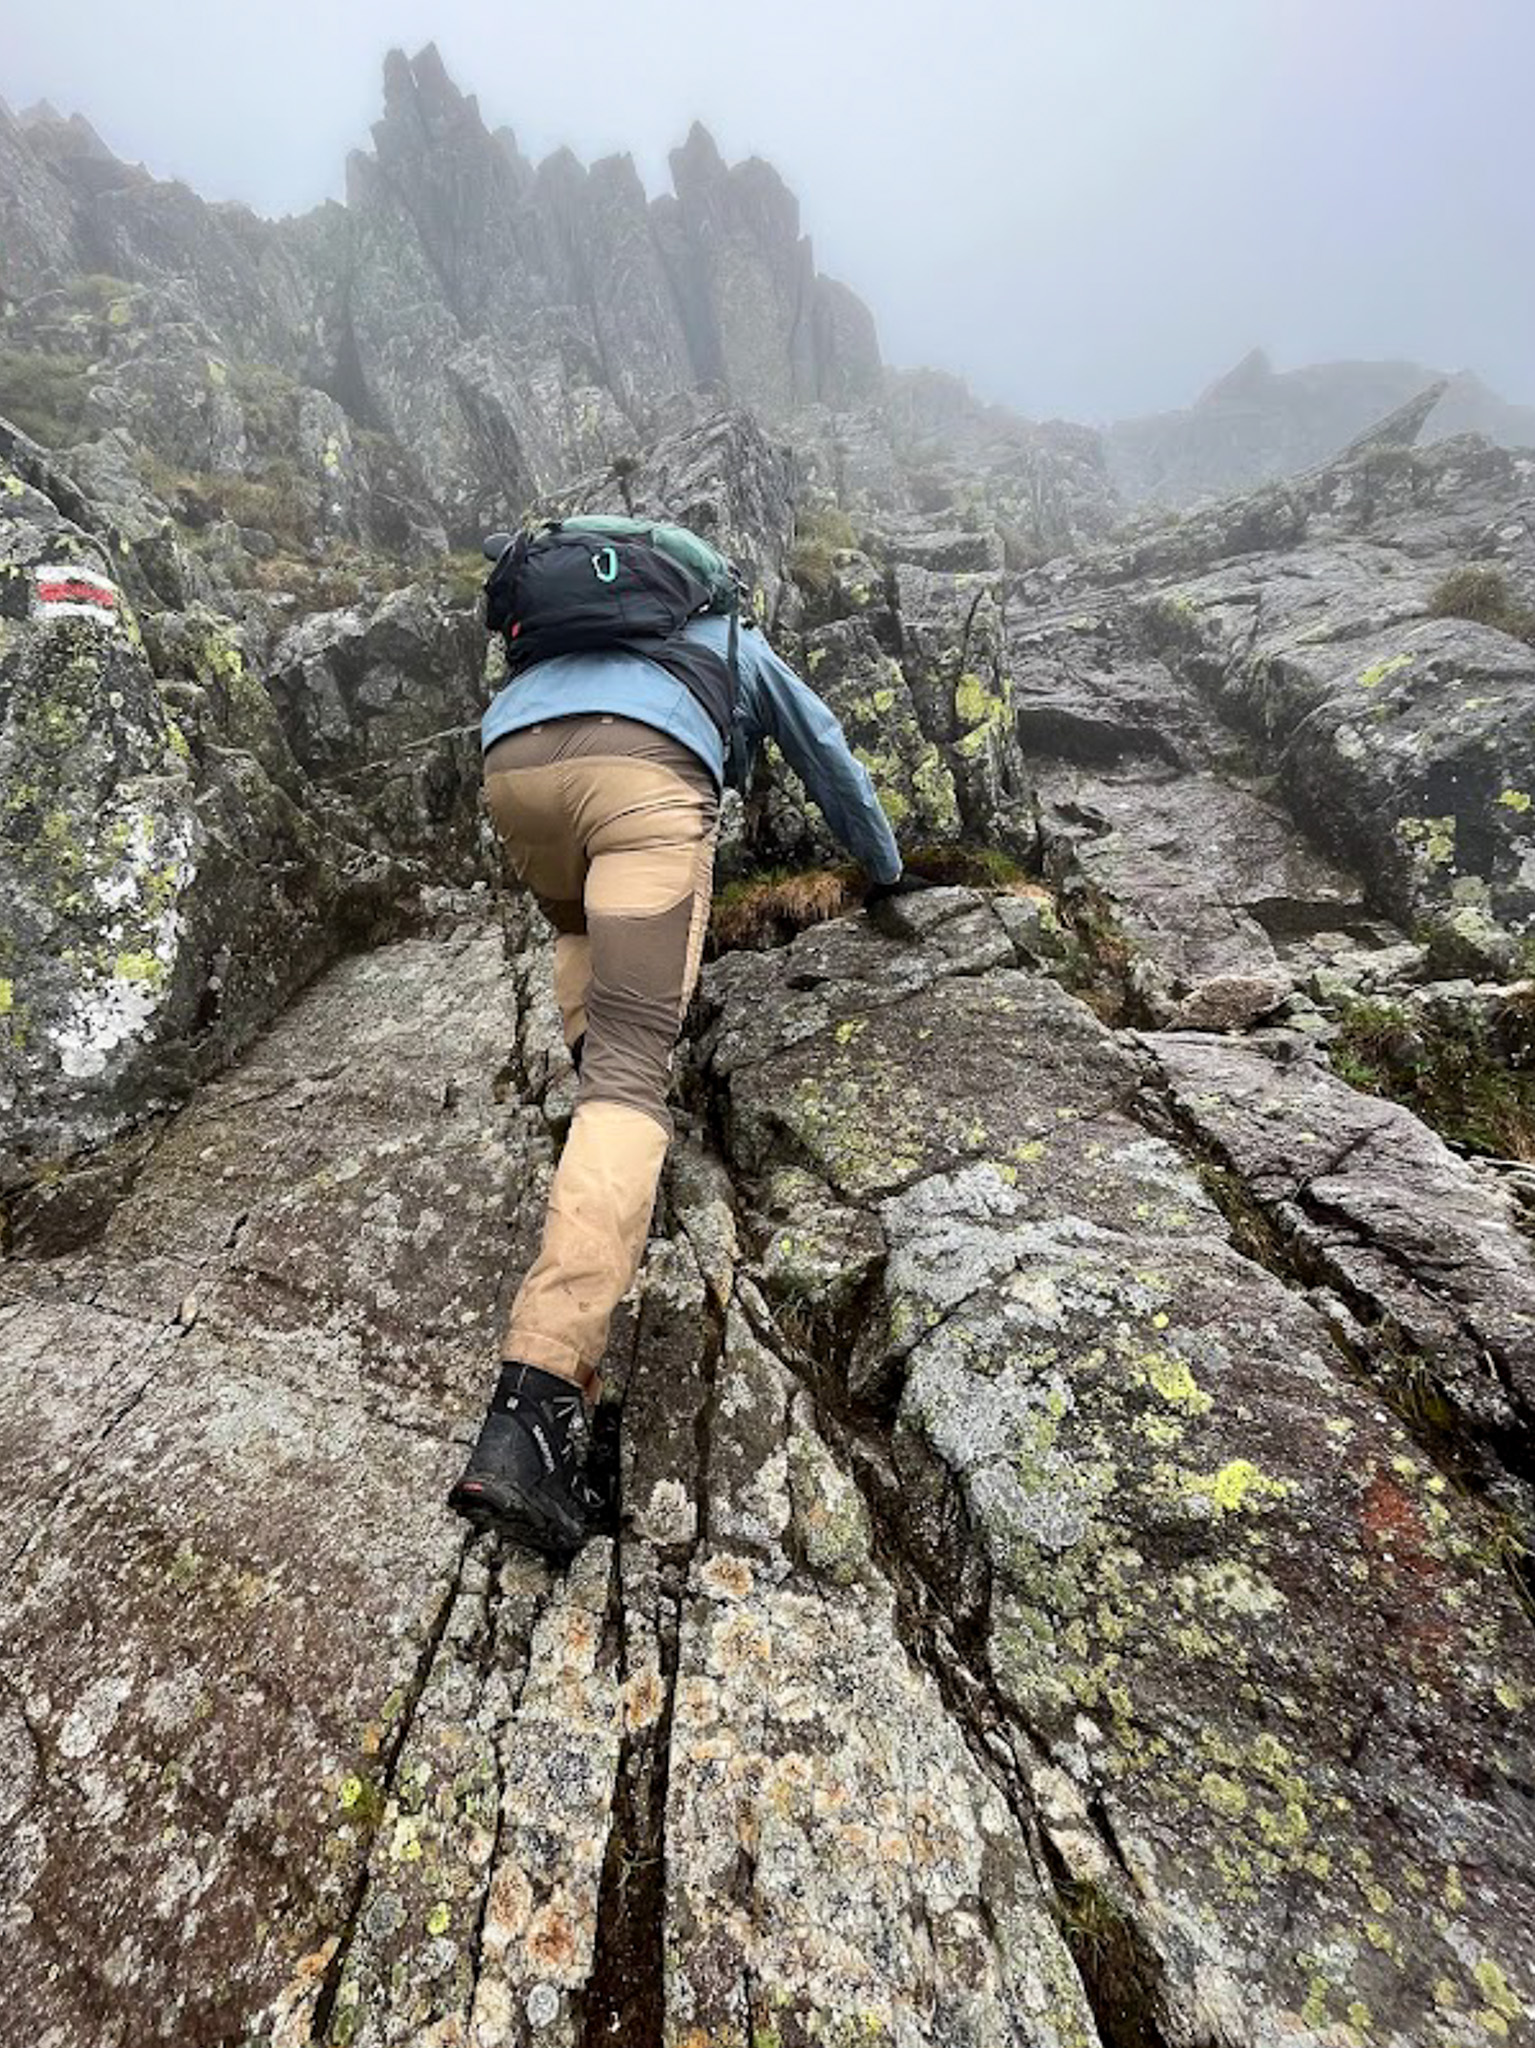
x=1025 y=1618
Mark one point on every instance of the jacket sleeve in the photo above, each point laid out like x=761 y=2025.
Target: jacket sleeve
x=780 y=707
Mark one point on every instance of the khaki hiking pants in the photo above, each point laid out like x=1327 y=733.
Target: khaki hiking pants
x=612 y=826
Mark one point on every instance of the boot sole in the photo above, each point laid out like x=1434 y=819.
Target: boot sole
x=508 y=1511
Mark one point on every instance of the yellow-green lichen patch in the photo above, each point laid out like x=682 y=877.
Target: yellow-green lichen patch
x=7 y=996
x=1228 y=1584
x=1175 y=1382
x=934 y=788
x=1433 y=839
x=138 y=967
x=1514 y=799
x=405 y=1841
x=1223 y=1795
x=975 y=704
x=1499 y=1998
x=1378 y=672
x=1283 y=1828
x=1237 y=1486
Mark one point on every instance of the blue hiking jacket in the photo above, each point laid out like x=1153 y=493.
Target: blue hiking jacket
x=772 y=703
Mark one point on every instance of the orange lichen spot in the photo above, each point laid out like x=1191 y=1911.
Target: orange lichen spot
x=728 y=1578
x=552 y=1940
x=644 y=1696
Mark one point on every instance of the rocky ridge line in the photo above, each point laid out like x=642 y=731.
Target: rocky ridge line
x=1073 y=1456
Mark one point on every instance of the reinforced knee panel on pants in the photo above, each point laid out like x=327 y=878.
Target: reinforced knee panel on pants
x=594 y=1237
x=634 y=1004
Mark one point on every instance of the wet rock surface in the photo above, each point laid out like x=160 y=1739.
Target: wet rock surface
x=1022 y=1619
x=229 y=1426
x=1374 y=1205
x=1207 y=1583
x=1305 y=616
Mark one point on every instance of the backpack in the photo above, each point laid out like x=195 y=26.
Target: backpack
x=603 y=582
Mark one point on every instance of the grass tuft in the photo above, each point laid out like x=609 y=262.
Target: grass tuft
x=44 y=394
x=820 y=534
x=760 y=911
x=1472 y=1080
x=1484 y=597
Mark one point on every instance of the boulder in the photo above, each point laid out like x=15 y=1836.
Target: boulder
x=170 y=872
x=1220 y=1595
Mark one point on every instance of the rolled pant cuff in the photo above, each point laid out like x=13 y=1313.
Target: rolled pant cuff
x=552 y=1354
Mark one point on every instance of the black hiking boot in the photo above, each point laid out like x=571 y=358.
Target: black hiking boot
x=526 y=1475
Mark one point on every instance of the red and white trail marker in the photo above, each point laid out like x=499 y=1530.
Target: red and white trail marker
x=68 y=590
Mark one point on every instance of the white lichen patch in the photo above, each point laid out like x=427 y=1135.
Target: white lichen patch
x=119 y=993
x=91 y=1719
x=669 y=1516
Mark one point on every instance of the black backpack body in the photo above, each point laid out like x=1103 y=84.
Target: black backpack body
x=568 y=591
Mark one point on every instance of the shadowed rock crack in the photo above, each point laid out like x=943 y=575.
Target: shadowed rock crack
x=625 y=1998
x=330 y=1985
x=1119 y=1974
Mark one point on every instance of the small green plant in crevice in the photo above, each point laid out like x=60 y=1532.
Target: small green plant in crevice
x=269 y=407
x=1472 y=1080
x=1118 y=1974
x=1504 y=1543
x=459 y=577
x=1101 y=967
x=1252 y=1231
x=1484 y=597
x=342 y=574
x=1414 y=1391
x=279 y=500
x=974 y=867
x=624 y=469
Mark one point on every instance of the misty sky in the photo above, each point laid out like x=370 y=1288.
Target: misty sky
x=1086 y=207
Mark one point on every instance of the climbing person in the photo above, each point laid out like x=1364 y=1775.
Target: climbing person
x=635 y=693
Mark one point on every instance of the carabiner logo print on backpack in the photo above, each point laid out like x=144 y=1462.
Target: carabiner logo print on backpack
x=605 y=562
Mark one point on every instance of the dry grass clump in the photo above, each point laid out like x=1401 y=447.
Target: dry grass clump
x=768 y=910
x=1484 y=597
x=820 y=535
x=44 y=394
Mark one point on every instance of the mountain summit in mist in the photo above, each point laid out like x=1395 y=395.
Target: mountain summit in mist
x=507 y=326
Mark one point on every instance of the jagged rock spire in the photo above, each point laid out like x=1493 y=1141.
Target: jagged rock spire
x=1401 y=428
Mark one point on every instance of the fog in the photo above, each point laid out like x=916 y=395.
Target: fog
x=1086 y=209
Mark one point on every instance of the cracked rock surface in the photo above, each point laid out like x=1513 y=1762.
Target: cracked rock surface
x=1022 y=1621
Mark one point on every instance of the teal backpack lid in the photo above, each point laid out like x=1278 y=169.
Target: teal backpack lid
x=704 y=561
